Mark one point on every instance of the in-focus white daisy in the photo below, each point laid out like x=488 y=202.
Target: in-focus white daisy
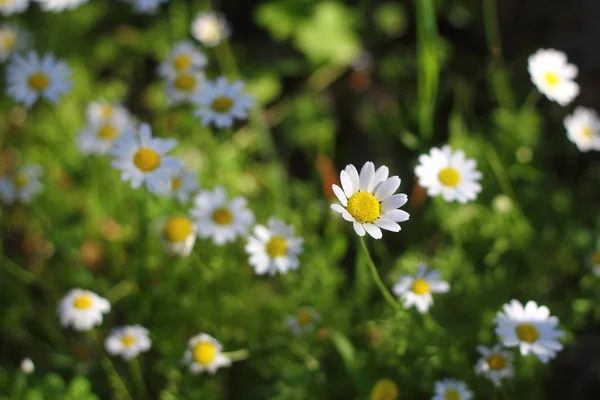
x=30 y=77
x=204 y=354
x=128 y=341
x=303 y=321
x=274 y=248
x=182 y=186
x=60 y=5
x=451 y=389
x=531 y=328
x=12 y=40
x=98 y=136
x=450 y=174
x=146 y=6
x=184 y=86
x=583 y=129
x=368 y=200
x=184 y=57
x=179 y=236
x=144 y=159
x=210 y=28
x=82 y=310
x=9 y=7
x=22 y=185
x=416 y=290
x=220 y=103
x=495 y=363
x=219 y=218
x=27 y=366
x=553 y=76
x=102 y=112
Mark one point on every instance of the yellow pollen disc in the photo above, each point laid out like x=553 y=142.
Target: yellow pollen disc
x=452 y=395
x=106 y=111
x=108 y=132
x=364 y=207
x=146 y=159
x=304 y=318
x=222 y=104
x=6 y=2
x=182 y=62
x=527 y=333
x=420 y=286
x=175 y=183
x=276 y=247
x=384 y=389
x=449 y=176
x=496 y=362
x=551 y=78
x=222 y=216
x=82 y=302
x=205 y=353
x=178 y=229
x=38 y=81
x=127 y=340
x=587 y=132
x=185 y=82
x=20 y=180
x=596 y=258
x=8 y=39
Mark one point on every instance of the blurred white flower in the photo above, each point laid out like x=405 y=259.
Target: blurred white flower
x=303 y=321
x=182 y=186
x=103 y=128
x=416 y=290
x=220 y=103
x=12 y=40
x=82 y=310
x=274 y=248
x=553 y=75
x=450 y=174
x=22 y=185
x=596 y=262
x=368 y=200
x=128 y=341
x=27 y=366
x=495 y=363
x=219 y=218
x=30 y=77
x=183 y=58
x=451 y=389
x=146 y=6
x=102 y=112
x=60 y=5
x=204 y=354
x=179 y=235
x=9 y=7
x=210 y=29
x=531 y=328
x=583 y=129
x=184 y=86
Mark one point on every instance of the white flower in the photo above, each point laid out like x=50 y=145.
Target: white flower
x=9 y=7
x=12 y=40
x=102 y=131
x=128 y=341
x=417 y=290
x=144 y=159
x=495 y=363
x=220 y=103
x=274 y=248
x=553 y=75
x=204 y=354
x=368 y=200
x=146 y=6
x=182 y=186
x=103 y=112
x=22 y=185
x=222 y=219
x=595 y=260
x=451 y=389
x=27 y=366
x=179 y=235
x=82 y=309
x=184 y=86
x=450 y=174
x=184 y=57
x=210 y=29
x=304 y=321
x=30 y=77
x=531 y=328
x=583 y=129
x=60 y=5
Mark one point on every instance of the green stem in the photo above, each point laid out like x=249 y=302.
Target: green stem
x=382 y=288
x=492 y=29
x=237 y=355
x=18 y=386
x=18 y=272
x=61 y=127
x=138 y=379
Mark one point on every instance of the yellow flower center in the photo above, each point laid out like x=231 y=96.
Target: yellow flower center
x=20 y=180
x=128 y=340
x=364 y=207
x=205 y=353
x=108 y=131
x=82 y=302
x=596 y=258
x=146 y=159
x=185 y=82
x=6 y=2
x=304 y=318
x=106 y=111
x=420 y=286
x=452 y=395
x=222 y=216
x=222 y=104
x=384 y=389
x=175 y=184
x=449 y=176
x=8 y=39
x=276 y=247
x=587 y=132
x=551 y=78
x=178 y=229
x=38 y=81
x=182 y=62
x=496 y=362
x=527 y=333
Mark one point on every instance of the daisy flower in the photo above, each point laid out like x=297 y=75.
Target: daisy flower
x=9 y=7
x=82 y=309
x=450 y=174
x=182 y=186
x=210 y=29
x=144 y=159
x=222 y=219
x=451 y=389
x=27 y=366
x=417 y=290
x=179 y=236
x=303 y=321
x=220 y=103
x=103 y=112
x=60 y=5
x=30 y=77
x=204 y=354
x=98 y=136
x=368 y=200
x=22 y=185
x=384 y=389
x=274 y=248
x=184 y=57
x=553 y=75
x=146 y=6
x=596 y=263
x=495 y=363
x=531 y=328
x=128 y=341
x=12 y=39
x=583 y=129
x=184 y=86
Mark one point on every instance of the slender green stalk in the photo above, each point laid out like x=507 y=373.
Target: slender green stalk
x=492 y=29
x=237 y=355
x=61 y=127
x=18 y=386
x=18 y=272
x=138 y=379
x=117 y=384
x=142 y=266
x=384 y=291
